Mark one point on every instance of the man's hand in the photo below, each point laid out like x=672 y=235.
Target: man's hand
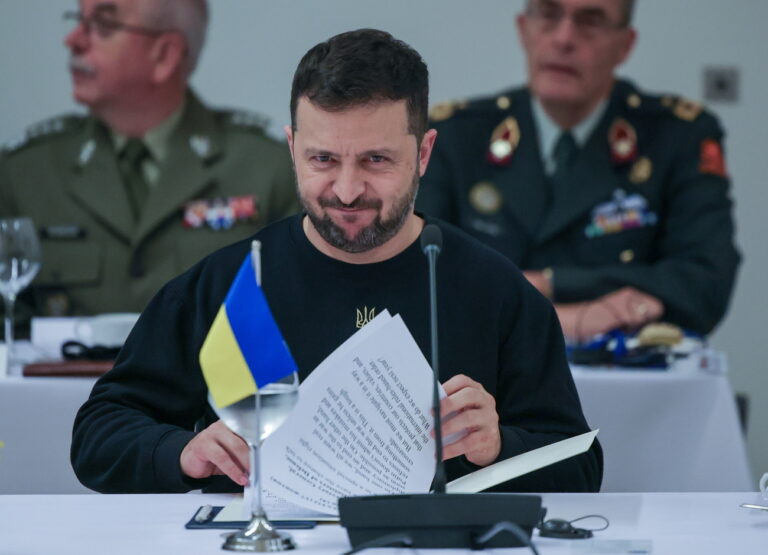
x=216 y=450
x=541 y=280
x=633 y=308
x=475 y=410
x=625 y=308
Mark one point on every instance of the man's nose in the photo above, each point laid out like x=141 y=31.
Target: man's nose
x=565 y=32
x=349 y=184
x=77 y=39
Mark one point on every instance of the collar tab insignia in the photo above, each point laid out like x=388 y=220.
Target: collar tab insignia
x=86 y=152
x=622 y=139
x=200 y=145
x=504 y=141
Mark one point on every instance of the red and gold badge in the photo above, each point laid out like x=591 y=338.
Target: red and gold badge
x=712 y=159
x=504 y=140
x=623 y=142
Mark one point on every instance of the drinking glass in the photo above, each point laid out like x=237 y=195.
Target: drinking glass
x=254 y=418
x=20 y=261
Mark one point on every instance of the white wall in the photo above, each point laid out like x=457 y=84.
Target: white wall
x=471 y=48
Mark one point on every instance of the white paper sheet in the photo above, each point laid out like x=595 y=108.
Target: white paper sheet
x=521 y=464
x=362 y=424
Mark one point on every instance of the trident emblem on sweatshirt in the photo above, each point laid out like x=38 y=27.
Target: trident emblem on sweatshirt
x=364 y=316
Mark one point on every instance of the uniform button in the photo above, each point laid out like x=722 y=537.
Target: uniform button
x=627 y=256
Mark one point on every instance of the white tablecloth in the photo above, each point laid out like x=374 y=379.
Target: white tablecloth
x=660 y=431
x=667 y=523
x=665 y=431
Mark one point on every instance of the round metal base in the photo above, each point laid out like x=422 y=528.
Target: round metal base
x=259 y=536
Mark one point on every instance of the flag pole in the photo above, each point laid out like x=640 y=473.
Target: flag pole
x=256 y=259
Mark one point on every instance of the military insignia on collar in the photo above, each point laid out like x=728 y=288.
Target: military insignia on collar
x=200 y=145
x=687 y=110
x=364 y=316
x=622 y=139
x=485 y=198
x=504 y=140
x=641 y=170
x=621 y=213
x=711 y=159
x=220 y=213
x=86 y=152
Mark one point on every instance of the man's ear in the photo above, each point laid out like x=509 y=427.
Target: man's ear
x=628 y=44
x=289 y=137
x=168 y=55
x=522 y=21
x=425 y=149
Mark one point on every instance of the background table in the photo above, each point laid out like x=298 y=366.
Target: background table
x=665 y=431
x=660 y=431
x=673 y=523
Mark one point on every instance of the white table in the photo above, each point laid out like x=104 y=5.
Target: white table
x=673 y=523
x=665 y=431
x=660 y=431
x=36 y=417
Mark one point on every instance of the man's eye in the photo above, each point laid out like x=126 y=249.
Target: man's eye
x=550 y=13
x=321 y=158
x=591 y=21
x=377 y=158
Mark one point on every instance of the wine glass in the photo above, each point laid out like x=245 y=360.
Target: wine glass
x=254 y=418
x=20 y=261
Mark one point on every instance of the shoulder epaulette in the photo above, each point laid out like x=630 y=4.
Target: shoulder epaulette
x=246 y=120
x=484 y=105
x=445 y=110
x=674 y=105
x=47 y=128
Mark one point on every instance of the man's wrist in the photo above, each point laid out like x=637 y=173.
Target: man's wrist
x=548 y=276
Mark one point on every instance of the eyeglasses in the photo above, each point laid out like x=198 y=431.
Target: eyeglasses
x=588 y=22
x=105 y=25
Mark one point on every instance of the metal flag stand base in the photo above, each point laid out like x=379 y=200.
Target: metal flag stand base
x=259 y=536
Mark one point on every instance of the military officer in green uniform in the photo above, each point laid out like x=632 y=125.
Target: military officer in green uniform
x=151 y=180
x=615 y=202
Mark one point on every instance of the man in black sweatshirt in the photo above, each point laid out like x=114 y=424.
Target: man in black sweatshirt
x=360 y=142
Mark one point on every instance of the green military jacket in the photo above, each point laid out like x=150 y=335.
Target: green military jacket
x=646 y=204
x=222 y=180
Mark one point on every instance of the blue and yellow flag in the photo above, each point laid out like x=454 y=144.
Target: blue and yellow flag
x=244 y=349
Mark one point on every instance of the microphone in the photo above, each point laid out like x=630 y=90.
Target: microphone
x=432 y=244
x=439 y=519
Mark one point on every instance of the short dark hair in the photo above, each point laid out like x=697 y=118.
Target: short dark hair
x=360 y=67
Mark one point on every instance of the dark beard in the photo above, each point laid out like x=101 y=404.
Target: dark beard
x=372 y=236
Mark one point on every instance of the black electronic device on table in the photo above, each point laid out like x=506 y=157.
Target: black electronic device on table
x=440 y=520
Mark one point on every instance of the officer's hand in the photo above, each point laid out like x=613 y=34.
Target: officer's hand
x=540 y=280
x=633 y=308
x=475 y=410
x=216 y=450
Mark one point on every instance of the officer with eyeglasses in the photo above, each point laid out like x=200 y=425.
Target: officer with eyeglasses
x=151 y=179
x=614 y=202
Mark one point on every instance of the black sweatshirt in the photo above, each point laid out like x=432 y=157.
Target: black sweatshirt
x=494 y=327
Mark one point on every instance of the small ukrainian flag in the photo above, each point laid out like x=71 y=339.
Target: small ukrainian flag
x=244 y=349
